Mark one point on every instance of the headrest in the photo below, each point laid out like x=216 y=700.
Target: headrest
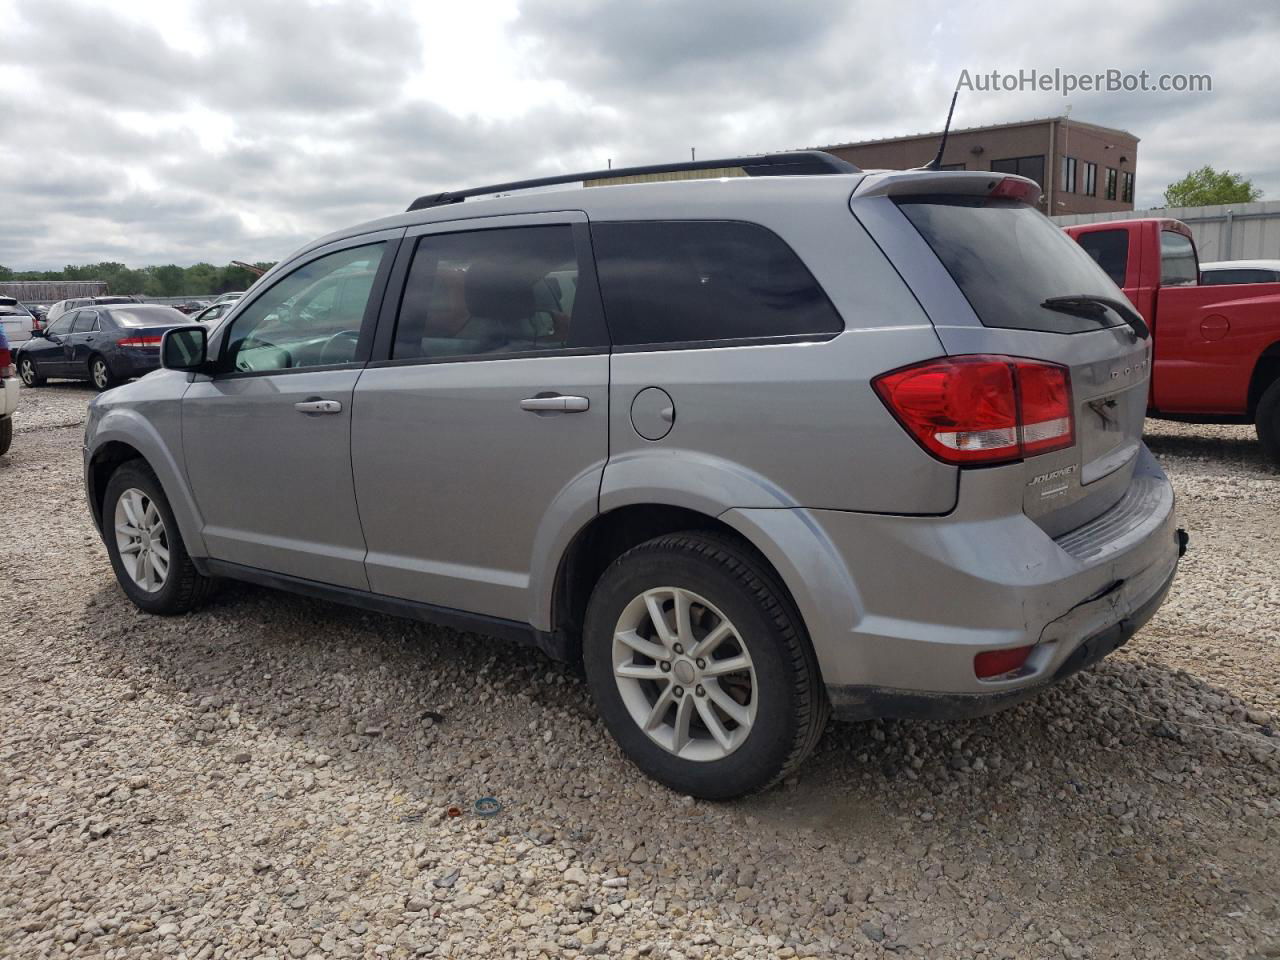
x=496 y=292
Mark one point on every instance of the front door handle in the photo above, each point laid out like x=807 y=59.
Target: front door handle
x=318 y=406
x=556 y=404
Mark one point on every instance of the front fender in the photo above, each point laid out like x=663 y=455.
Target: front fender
x=123 y=424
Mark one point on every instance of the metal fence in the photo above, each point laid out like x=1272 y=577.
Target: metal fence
x=1228 y=231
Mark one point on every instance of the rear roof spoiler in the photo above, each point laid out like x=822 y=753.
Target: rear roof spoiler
x=793 y=164
x=975 y=183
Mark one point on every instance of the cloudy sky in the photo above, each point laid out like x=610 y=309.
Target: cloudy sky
x=177 y=131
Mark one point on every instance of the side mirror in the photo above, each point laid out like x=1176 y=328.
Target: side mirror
x=184 y=348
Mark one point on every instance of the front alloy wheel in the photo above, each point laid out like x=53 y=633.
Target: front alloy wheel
x=142 y=540
x=27 y=371
x=684 y=674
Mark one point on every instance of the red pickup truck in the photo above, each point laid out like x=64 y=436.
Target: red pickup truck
x=1216 y=348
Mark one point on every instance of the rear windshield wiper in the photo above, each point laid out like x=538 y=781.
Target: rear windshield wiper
x=1091 y=305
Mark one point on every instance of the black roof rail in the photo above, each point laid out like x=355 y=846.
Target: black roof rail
x=793 y=164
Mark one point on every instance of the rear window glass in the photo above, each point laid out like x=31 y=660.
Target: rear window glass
x=147 y=316
x=693 y=281
x=1110 y=249
x=1216 y=277
x=1008 y=258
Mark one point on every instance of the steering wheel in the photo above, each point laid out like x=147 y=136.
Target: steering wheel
x=339 y=338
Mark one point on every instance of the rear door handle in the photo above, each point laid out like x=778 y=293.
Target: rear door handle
x=318 y=406
x=556 y=404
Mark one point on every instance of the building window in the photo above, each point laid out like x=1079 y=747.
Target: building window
x=1030 y=167
x=1090 y=179
x=1068 y=174
x=1111 y=183
x=1127 y=191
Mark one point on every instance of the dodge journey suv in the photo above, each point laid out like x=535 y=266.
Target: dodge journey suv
x=749 y=449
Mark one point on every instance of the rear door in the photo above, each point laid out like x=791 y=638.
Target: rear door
x=81 y=341
x=1007 y=259
x=481 y=427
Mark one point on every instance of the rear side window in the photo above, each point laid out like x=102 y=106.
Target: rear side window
x=486 y=293
x=85 y=321
x=1177 y=260
x=1212 y=277
x=1110 y=248
x=671 y=281
x=1008 y=258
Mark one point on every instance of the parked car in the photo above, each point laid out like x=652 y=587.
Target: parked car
x=62 y=306
x=16 y=321
x=1239 y=271
x=10 y=390
x=847 y=441
x=38 y=312
x=1216 y=349
x=214 y=312
x=191 y=306
x=102 y=344
x=228 y=297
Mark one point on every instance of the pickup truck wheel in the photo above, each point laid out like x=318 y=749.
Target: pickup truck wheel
x=146 y=549
x=1268 y=422
x=29 y=374
x=100 y=374
x=700 y=666
x=6 y=434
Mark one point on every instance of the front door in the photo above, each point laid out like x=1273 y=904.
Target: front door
x=484 y=425
x=267 y=439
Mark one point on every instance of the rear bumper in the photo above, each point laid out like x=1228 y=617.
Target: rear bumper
x=126 y=363
x=898 y=607
x=10 y=389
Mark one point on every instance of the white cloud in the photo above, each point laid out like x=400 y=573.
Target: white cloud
x=192 y=130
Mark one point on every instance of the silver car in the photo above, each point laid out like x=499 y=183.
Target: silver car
x=749 y=449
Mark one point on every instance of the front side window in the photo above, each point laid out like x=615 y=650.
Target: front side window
x=705 y=280
x=62 y=325
x=1177 y=260
x=1110 y=248
x=481 y=293
x=310 y=318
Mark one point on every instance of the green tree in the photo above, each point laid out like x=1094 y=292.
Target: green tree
x=1206 y=185
x=166 y=281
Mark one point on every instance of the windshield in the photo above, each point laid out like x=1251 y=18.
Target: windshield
x=1008 y=258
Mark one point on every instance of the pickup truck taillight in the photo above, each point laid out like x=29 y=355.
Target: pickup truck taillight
x=982 y=409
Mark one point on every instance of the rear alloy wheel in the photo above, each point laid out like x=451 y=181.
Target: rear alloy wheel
x=100 y=374
x=146 y=549
x=700 y=666
x=27 y=371
x=1268 y=422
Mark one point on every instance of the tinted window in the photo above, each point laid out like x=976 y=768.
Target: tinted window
x=482 y=292
x=1110 y=248
x=1007 y=258
x=1211 y=277
x=1177 y=260
x=310 y=318
x=683 y=281
x=63 y=324
x=1031 y=167
x=85 y=321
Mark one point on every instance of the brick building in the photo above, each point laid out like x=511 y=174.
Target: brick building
x=1093 y=166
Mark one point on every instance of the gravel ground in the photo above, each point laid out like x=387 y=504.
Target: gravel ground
x=270 y=777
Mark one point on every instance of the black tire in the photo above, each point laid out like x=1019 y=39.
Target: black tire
x=791 y=702
x=184 y=588
x=1268 y=422
x=6 y=434
x=100 y=374
x=29 y=372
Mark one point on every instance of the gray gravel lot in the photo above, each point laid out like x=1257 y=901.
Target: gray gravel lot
x=269 y=777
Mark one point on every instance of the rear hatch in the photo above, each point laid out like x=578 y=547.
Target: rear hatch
x=1029 y=291
x=15 y=320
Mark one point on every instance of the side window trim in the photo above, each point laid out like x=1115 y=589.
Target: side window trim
x=392 y=239
x=588 y=286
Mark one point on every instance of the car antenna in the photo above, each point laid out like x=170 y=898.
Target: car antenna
x=936 y=162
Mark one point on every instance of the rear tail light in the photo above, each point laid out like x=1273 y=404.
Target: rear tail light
x=6 y=360
x=139 y=342
x=996 y=663
x=1015 y=188
x=982 y=409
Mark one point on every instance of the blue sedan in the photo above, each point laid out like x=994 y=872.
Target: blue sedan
x=102 y=344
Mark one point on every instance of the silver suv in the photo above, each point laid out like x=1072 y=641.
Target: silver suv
x=748 y=449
